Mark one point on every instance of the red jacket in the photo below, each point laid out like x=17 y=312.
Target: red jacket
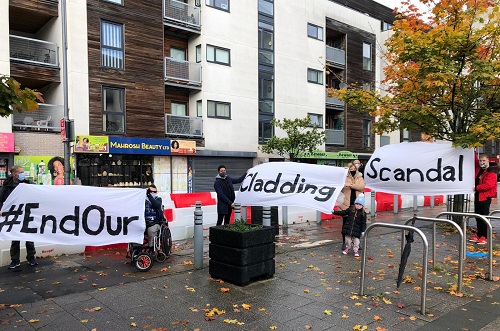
x=487 y=186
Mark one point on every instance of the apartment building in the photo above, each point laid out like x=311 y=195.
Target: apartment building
x=164 y=91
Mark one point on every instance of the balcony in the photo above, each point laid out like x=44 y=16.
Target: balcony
x=183 y=126
x=335 y=57
x=334 y=102
x=335 y=137
x=46 y=118
x=33 y=51
x=182 y=73
x=30 y=16
x=182 y=16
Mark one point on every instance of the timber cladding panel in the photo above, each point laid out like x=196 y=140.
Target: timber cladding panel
x=142 y=76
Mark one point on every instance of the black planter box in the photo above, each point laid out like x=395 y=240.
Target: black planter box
x=240 y=257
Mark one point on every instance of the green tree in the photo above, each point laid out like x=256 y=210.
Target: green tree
x=301 y=137
x=442 y=76
x=14 y=98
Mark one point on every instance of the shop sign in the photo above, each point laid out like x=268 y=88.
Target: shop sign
x=342 y=155
x=140 y=146
x=7 y=142
x=183 y=147
x=91 y=144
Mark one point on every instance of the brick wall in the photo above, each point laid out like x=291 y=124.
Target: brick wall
x=39 y=143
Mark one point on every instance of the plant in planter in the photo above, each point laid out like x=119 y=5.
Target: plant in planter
x=240 y=252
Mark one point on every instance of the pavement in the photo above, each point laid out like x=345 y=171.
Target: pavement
x=315 y=287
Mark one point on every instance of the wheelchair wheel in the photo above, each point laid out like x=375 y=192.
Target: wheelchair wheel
x=143 y=262
x=161 y=257
x=166 y=241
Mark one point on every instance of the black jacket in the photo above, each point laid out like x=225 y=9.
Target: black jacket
x=8 y=186
x=225 y=192
x=355 y=222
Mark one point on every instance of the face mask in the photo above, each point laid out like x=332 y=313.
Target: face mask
x=223 y=174
x=357 y=165
x=154 y=195
x=482 y=164
x=21 y=176
x=353 y=172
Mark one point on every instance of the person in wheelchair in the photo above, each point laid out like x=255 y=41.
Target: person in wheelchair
x=153 y=215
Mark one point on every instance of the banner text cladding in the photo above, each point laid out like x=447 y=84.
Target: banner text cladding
x=92 y=221
x=271 y=186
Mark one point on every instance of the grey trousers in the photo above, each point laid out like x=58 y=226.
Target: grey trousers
x=15 y=250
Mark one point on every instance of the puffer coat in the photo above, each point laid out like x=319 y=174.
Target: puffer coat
x=354 y=223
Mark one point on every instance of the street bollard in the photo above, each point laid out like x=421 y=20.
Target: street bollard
x=244 y=213
x=396 y=200
x=198 y=235
x=415 y=203
x=372 y=204
x=284 y=215
x=432 y=201
x=318 y=217
x=237 y=211
x=266 y=216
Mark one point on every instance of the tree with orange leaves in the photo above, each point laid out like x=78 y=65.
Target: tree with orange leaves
x=442 y=76
x=14 y=98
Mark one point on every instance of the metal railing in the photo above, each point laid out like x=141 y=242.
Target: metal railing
x=188 y=126
x=182 y=12
x=46 y=118
x=33 y=51
x=182 y=71
x=335 y=55
x=333 y=101
x=335 y=137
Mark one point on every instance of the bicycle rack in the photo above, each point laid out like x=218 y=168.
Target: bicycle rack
x=424 y=257
x=464 y=229
x=461 y=253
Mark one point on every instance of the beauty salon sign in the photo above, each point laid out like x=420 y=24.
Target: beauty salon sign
x=73 y=215
x=421 y=168
x=292 y=184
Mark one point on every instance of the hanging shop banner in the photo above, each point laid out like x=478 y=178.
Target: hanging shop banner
x=292 y=184
x=7 y=142
x=421 y=168
x=140 y=146
x=91 y=144
x=73 y=215
x=322 y=155
x=183 y=147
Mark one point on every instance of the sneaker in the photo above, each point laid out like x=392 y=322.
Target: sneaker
x=14 y=264
x=482 y=241
x=32 y=261
x=474 y=239
x=356 y=254
x=345 y=251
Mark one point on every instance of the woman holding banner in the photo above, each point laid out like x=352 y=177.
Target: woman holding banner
x=353 y=187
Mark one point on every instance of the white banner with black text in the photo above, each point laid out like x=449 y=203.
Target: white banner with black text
x=421 y=168
x=73 y=215
x=292 y=184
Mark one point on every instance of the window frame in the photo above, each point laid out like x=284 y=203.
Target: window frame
x=367 y=133
x=318 y=73
x=320 y=120
x=218 y=103
x=210 y=3
x=215 y=48
x=185 y=104
x=198 y=53
x=105 y=113
x=199 y=108
x=116 y=2
x=369 y=67
x=317 y=27
x=122 y=49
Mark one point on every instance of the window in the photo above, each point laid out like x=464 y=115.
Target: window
x=219 y=109
x=316 y=120
x=111 y=45
x=367 y=133
x=219 y=4
x=266 y=7
x=113 y=110
x=218 y=55
x=314 y=31
x=198 y=53
x=367 y=56
x=266 y=130
x=118 y=2
x=178 y=108
x=406 y=135
x=266 y=89
x=199 y=109
x=385 y=140
x=386 y=26
x=367 y=86
x=314 y=76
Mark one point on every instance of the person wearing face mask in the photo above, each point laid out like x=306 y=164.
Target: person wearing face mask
x=17 y=176
x=485 y=189
x=224 y=188
x=354 y=225
x=153 y=214
x=353 y=187
x=359 y=166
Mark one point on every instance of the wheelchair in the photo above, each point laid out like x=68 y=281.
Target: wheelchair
x=142 y=259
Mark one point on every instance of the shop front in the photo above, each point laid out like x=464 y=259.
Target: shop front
x=6 y=154
x=135 y=162
x=339 y=159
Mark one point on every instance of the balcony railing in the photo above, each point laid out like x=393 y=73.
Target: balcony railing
x=335 y=56
x=334 y=101
x=183 y=13
x=33 y=51
x=182 y=71
x=188 y=126
x=46 y=118
x=335 y=137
